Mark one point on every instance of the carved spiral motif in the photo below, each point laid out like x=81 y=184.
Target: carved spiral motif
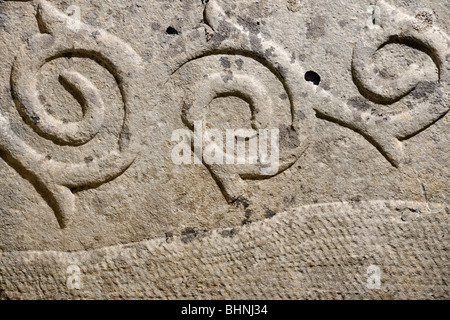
x=58 y=39
x=220 y=59
x=427 y=100
x=237 y=63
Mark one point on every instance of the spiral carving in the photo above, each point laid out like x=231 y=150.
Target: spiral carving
x=234 y=62
x=219 y=59
x=426 y=101
x=58 y=39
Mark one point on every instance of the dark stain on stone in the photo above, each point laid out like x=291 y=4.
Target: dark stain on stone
x=97 y=257
x=384 y=73
x=35 y=119
x=283 y=96
x=256 y=44
x=359 y=103
x=270 y=52
x=188 y=235
x=290 y=200
x=125 y=135
x=16 y=128
x=42 y=99
x=177 y=47
x=316 y=28
x=224 y=31
x=3 y=21
x=241 y=201
x=325 y=86
x=248 y=215
x=282 y=71
x=187 y=105
x=300 y=115
x=248 y=25
x=95 y=34
x=92 y=18
x=169 y=237
x=148 y=55
x=342 y=23
x=88 y=159
x=313 y=77
x=171 y=30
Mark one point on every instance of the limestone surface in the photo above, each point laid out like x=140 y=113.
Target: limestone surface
x=98 y=98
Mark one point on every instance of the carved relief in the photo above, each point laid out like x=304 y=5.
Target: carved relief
x=223 y=57
x=57 y=39
x=427 y=101
x=307 y=101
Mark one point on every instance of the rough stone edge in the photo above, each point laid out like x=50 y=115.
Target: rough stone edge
x=317 y=251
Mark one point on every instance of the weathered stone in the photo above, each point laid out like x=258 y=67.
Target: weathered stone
x=93 y=204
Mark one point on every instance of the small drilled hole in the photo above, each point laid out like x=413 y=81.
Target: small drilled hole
x=171 y=30
x=312 y=77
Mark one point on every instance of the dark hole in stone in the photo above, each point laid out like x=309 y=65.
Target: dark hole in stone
x=171 y=30
x=312 y=77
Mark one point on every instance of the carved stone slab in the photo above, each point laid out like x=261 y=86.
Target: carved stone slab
x=118 y=180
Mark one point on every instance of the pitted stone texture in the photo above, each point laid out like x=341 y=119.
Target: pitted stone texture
x=312 y=252
x=91 y=92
